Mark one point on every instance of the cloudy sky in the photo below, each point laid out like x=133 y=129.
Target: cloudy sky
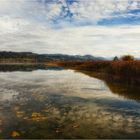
x=98 y=27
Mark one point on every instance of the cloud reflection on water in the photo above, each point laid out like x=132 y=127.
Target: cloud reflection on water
x=61 y=104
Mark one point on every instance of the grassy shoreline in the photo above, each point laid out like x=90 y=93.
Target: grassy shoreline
x=119 y=84
x=127 y=72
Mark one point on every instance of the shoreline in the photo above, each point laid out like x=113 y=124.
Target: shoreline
x=120 y=72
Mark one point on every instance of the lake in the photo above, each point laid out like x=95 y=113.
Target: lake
x=58 y=103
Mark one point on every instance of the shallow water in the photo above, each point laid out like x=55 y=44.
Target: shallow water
x=64 y=104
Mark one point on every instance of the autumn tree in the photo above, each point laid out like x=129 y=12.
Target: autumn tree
x=127 y=58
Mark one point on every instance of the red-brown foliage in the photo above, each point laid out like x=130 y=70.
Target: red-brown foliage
x=127 y=58
x=125 y=70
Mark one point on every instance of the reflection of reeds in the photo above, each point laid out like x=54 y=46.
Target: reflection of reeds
x=21 y=67
x=125 y=71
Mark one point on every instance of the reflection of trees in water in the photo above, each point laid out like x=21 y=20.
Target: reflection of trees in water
x=26 y=67
x=118 y=87
x=121 y=89
x=129 y=92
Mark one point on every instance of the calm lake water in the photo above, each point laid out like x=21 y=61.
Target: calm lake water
x=64 y=104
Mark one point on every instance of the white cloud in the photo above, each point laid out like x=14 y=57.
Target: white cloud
x=97 y=40
x=10 y=25
x=24 y=27
x=83 y=11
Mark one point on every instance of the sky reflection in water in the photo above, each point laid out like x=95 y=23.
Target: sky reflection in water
x=64 y=104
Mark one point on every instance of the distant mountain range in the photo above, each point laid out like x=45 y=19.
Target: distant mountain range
x=71 y=57
x=47 y=57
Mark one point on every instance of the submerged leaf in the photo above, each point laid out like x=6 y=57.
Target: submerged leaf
x=15 y=134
